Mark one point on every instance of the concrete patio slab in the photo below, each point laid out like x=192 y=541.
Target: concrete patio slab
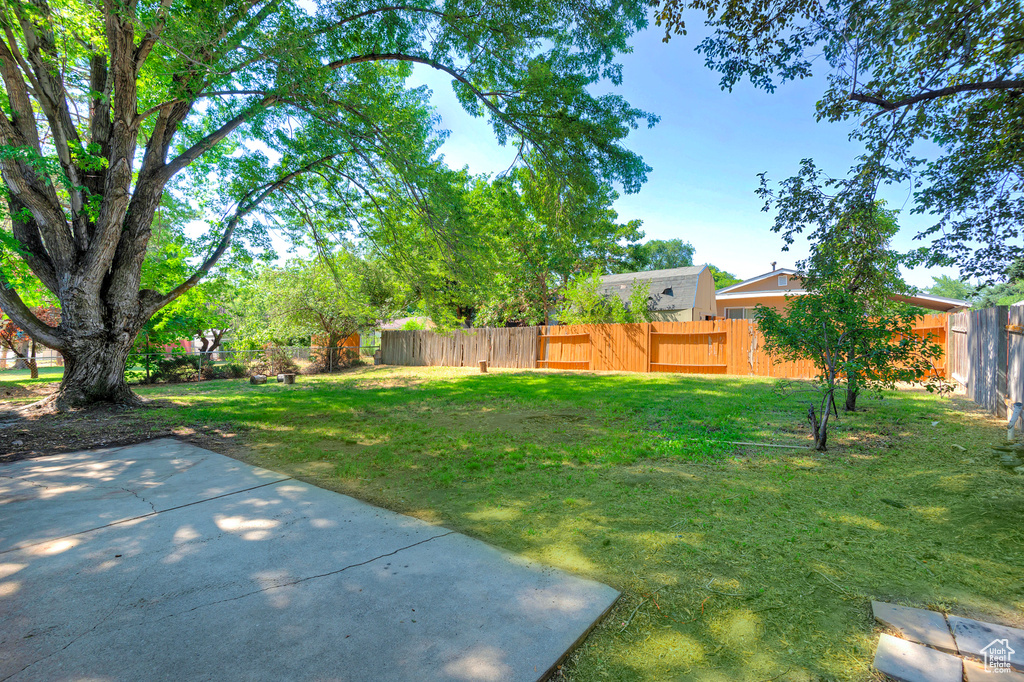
x=101 y=487
x=911 y=662
x=917 y=625
x=281 y=582
x=973 y=636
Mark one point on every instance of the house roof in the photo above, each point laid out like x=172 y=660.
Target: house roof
x=938 y=303
x=773 y=273
x=722 y=295
x=673 y=289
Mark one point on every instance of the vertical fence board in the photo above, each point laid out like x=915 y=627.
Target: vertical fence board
x=1015 y=354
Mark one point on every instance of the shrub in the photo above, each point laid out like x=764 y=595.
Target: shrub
x=332 y=359
x=229 y=371
x=272 y=361
x=175 y=369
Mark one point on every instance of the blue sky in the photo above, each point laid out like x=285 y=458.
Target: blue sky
x=705 y=153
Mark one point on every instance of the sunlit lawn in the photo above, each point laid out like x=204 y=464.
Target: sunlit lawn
x=46 y=374
x=735 y=562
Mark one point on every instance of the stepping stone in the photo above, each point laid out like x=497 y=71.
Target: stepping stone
x=917 y=625
x=973 y=637
x=976 y=673
x=910 y=662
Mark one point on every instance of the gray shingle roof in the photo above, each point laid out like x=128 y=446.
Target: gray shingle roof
x=674 y=289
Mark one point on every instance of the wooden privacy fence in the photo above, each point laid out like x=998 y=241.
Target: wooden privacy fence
x=500 y=347
x=986 y=355
x=732 y=347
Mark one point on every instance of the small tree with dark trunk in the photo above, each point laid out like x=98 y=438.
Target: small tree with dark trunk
x=834 y=329
x=331 y=299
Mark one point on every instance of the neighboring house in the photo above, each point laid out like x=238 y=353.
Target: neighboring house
x=678 y=294
x=738 y=301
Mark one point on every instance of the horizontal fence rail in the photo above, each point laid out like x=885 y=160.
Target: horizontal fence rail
x=730 y=347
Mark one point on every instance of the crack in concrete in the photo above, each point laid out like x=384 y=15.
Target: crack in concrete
x=22 y=480
x=79 y=636
x=142 y=516
x=85 y=485
x=307 y=578
x=219 y=601
x=141 y=498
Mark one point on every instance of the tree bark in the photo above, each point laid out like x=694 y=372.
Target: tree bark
x=21 y=351
x=33 y=366
x=852 y=391
x=218 y=334
x=94 y=373
x=819 y=426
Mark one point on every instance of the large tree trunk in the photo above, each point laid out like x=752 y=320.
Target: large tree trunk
x=94 y=373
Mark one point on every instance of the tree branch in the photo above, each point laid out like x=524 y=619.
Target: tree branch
x=889 y=105
x=400 y=57
x=15 y=308
x=208 y=142
x=152 y=35
x=248 y=204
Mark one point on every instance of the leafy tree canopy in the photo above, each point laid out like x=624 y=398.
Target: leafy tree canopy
x=723 y=278
x=948 y=287
x=540 y=230
x=333 y=299
x=948 y=73
x=268 y=111
x=846 y=322
x=657 y=254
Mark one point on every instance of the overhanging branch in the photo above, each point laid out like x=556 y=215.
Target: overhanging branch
x=247 y=205
x=401 y=57
x=890 y=105
x=15 y=308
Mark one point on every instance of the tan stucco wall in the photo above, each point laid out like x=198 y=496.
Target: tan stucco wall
x=778 y=302
x=704 y=304
x=672 y=315
x=769 y=284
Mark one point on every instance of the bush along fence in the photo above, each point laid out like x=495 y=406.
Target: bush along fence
x=730 y=347
x=178 y=366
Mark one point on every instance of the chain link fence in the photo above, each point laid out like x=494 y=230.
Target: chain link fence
x=179 y=365
x=45 y=357
x=228 y=363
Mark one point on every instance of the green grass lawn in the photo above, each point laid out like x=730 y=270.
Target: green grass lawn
x=735 y=562
x=46 y=375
